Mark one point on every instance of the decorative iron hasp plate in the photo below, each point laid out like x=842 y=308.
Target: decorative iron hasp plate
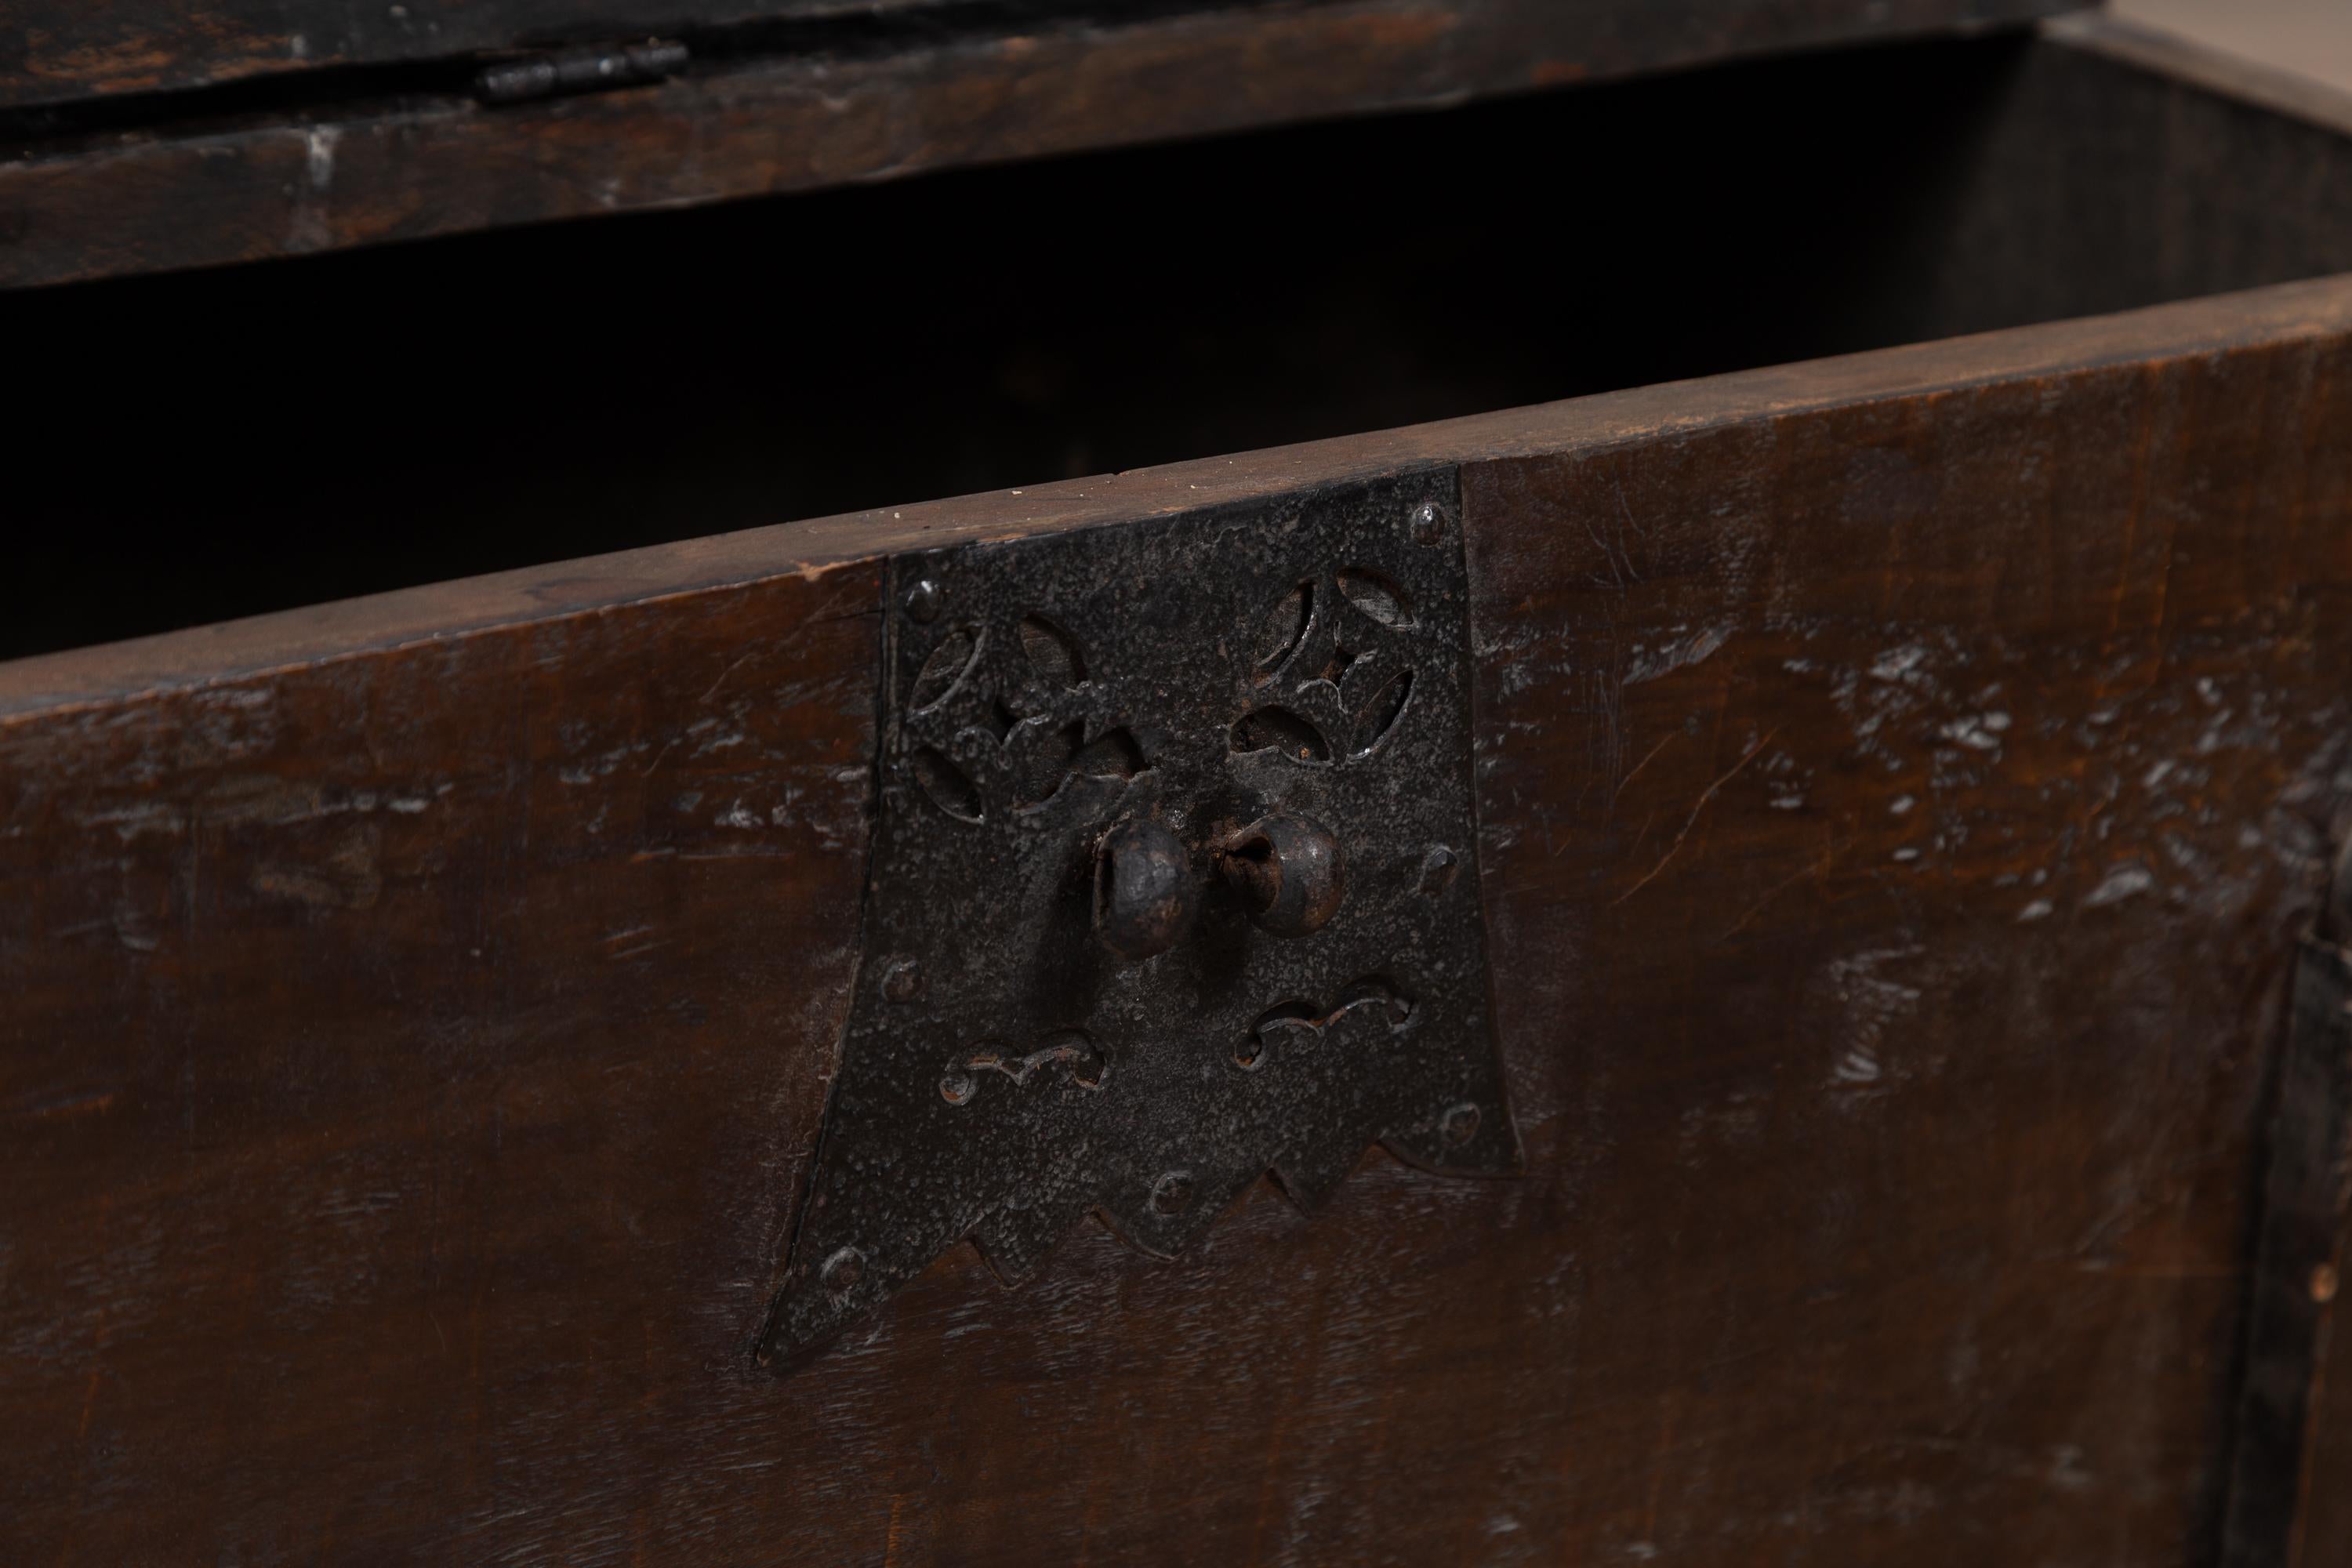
x=1173 y=883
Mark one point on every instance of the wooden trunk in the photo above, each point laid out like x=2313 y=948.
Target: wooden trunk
x=1909 y=785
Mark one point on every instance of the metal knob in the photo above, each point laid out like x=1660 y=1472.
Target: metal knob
x=1144 y=891
x=1288 y=872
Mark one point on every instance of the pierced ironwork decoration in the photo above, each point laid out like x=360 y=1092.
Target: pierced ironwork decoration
x=1173 y=884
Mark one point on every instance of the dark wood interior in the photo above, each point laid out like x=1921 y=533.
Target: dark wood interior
x=217 y=444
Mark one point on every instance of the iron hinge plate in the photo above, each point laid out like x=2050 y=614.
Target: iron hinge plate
x=1173 y=883
x=2301 y=1236
x=584 y=67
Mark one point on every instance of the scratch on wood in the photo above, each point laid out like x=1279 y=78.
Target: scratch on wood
x=1818 y=867
x=1645 y=762
x=1672 y=848
x=722 y=680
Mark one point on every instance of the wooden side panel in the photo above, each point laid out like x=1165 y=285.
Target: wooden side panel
x=1899 y=807
x=235 y=189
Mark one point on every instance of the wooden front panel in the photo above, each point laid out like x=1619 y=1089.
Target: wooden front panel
x=1901 y=781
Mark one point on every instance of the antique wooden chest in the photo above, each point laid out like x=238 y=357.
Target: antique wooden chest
x=1609 y=826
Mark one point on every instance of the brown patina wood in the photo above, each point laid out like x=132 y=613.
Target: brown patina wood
x=1903 y=780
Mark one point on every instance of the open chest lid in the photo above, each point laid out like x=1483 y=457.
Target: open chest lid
x=146 y=134
x=69 y=50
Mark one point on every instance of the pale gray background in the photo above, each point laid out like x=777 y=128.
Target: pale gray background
x=2314 y=37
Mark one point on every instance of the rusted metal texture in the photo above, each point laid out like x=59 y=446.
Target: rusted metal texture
x=1175 y=883
x=2299 y=1255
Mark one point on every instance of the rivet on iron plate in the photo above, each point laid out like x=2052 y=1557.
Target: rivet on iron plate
x=1191 y=671
x=923 y=601
x=901 y=980
x=1173 y=1193
x=844 y=1269
x=1286 y=870
x=1426 y=523
x=1144 y=893
x=1461 y=1125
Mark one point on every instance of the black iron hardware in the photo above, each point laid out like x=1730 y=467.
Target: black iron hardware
x=2298 y=1256
x=1165 y=890
x=591 y=68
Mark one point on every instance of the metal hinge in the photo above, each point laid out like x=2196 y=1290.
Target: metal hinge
x=2299 y=1254
x=587 y=67
x=1175 y=883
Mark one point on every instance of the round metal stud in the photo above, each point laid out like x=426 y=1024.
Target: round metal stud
x=844 y=1269
x=1144 y=892
x=1173 y=1193
x=1288 y=871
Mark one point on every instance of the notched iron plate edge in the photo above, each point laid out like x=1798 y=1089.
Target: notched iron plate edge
x=1173 y=882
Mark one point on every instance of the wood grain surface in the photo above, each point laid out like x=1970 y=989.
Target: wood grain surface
x=1903 y=780
x=1969 y=770
x=87 y=198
